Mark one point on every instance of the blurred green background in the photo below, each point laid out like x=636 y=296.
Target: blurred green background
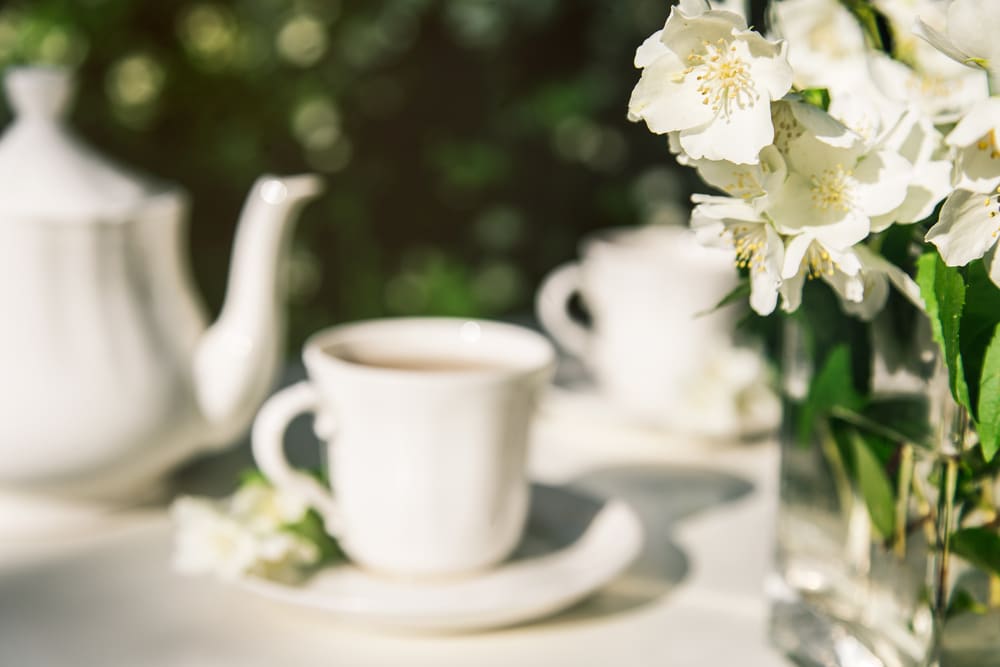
x=467 y=144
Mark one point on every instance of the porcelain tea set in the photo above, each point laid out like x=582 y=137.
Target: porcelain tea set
x=112 y=376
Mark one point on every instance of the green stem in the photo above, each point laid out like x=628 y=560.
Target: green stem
x=992 y=517
x=903 y=485
x=946 y=520
x=924 y=506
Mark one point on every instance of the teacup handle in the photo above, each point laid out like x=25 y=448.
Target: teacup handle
x=268 y=440
x=552 y=308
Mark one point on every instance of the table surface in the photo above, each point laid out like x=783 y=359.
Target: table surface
x=692 y=598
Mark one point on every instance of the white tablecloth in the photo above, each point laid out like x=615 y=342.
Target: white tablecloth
x=693 y=598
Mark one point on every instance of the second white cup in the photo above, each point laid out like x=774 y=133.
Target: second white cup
x=649 y=292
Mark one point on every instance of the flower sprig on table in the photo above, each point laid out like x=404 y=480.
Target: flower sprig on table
x=258 y=531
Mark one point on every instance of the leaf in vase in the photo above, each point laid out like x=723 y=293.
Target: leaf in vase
x=979 y=546
x=964 y=602
x=988 y=425
x=980 y=318
x=899 y=419
x=875 y=486
x=832 y=387
x=943 y=290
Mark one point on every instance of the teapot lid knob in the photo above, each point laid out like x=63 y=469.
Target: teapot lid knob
x=39 y=92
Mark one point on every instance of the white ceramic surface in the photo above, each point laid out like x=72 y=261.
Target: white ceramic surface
x=109 y=375
x=648 y=291
x=427 y=466
x=546 y=578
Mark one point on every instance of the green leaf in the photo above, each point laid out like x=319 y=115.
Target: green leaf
x=875 y=487
x=980 y=318
x=964 y=602
x=832 y=387
x=979 y=546
x=988 y=425
x=818 y=97
x=252 y=476
x=899 y=419
x=943 y=290
x=310 y=527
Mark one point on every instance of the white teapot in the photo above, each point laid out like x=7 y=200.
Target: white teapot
x=109 y=375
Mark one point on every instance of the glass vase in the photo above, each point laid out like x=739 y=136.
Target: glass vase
x=887 y=518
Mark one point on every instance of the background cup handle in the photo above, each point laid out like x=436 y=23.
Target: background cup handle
x=268 y=440
x=552 y=309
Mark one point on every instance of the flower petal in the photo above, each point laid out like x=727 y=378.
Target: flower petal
x=738 y=137
x=684 y=34
x=965 y=229
x=650 y=50
x=763 y=292
x=666 y=99
x=769 y=66
x=791 y=292
x=882 y=179
x=978 y=169
x=931 y=184
x=978 y=122
x=940 y=41
x=795 y=252
x=971 y=25
x=850 y=229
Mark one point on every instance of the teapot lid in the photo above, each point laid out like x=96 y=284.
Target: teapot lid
x=46 y=172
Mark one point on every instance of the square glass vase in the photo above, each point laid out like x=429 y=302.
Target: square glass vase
x=888 y=535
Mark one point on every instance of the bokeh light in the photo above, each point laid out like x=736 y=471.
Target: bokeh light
x=302 y=40
x=134 y=83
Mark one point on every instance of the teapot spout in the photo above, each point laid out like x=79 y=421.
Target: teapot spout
x=237 y=358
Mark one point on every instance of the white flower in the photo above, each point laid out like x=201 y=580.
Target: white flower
x=865 y=111
x=244 y=536
x=794 y=119
x=917 y=140
x=930 y=82
x=826 y=46
x=877 y=273
x=977 y=163
x=967 y=229
x=750 y=182
x=207 y=540
x=832 y=193
x=267 y=508
x=970 y=35
x=709 y=78
x=808 y=257
x=758 y=246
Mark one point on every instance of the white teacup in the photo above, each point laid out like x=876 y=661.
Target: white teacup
x=426 y=422
x=650 y=292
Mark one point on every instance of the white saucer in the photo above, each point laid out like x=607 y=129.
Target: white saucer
x=574 y=544
x=584 y=404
